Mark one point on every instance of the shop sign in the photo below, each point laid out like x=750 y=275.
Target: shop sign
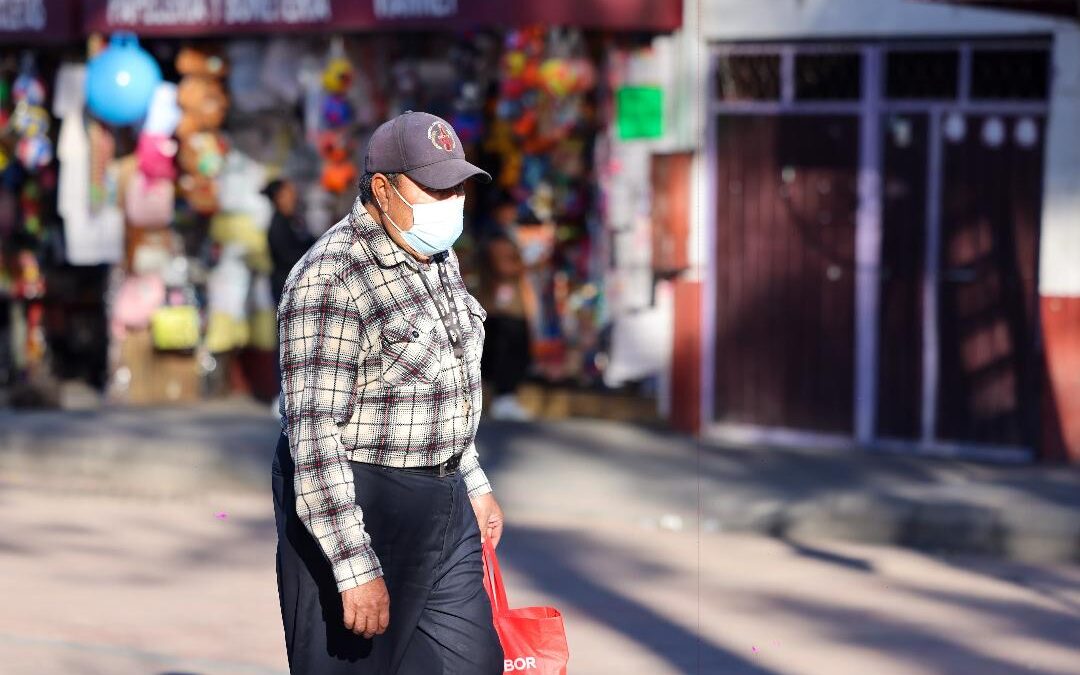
x=640 y=112
x=22 y=15
x=36 y=20
x=207 y=17
x=225 y=13
x=415 y=9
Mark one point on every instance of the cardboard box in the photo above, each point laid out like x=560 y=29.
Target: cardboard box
x=156 y=378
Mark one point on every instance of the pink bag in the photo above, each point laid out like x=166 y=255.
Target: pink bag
x=156 y=153
x=149 y=202
x=136 y=301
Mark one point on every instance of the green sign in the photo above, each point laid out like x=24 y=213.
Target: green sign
x=640 y=112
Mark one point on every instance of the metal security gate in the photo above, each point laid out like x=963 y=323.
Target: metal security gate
x=875 y=217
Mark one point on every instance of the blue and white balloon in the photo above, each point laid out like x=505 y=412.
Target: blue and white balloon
x=120 y=81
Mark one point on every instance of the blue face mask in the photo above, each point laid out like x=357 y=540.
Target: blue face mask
x=435 y=227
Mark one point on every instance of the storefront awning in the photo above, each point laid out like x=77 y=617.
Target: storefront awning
x=177 y=18
x=1069 y=8
x=38 y=21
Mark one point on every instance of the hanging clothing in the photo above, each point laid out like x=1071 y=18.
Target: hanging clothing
x=90 y=239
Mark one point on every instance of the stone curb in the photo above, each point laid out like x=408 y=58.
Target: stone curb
x=1021 y=532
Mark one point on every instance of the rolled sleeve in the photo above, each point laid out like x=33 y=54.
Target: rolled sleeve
x=322 y=347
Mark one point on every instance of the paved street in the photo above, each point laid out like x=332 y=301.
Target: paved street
x=109 y=578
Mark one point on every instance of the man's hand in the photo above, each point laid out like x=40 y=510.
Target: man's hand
x=367 y=608
x=489 y=517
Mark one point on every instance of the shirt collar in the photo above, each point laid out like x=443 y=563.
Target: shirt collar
x=387 y=253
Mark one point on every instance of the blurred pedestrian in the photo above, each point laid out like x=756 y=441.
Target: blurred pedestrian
x=507 y=294
x=289 y=240
x=288 y=234
x=379 y=497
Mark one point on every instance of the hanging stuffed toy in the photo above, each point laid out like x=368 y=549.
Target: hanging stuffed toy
x=203 y=154
x=204 y=104
x=30 y=120
x=202 y=98
x=34 y=150
x=339 y=173
x=156 y=154
x=337 y=79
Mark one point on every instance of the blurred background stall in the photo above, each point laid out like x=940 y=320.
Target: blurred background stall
x=192 y=113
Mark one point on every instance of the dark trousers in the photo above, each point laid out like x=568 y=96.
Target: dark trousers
x=506 y=358
x=425 y=534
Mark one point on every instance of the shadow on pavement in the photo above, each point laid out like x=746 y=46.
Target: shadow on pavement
x=903 y=641
x=822 y=555
x=556 y=563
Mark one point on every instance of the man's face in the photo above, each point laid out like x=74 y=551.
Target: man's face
x=412 y=192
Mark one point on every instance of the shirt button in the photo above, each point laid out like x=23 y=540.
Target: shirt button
x=416 y=334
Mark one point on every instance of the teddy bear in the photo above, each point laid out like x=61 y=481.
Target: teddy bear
x=205 y=104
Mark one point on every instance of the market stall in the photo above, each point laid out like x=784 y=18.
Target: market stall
x=174 y=134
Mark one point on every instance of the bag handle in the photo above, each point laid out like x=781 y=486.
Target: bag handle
x=493 y=582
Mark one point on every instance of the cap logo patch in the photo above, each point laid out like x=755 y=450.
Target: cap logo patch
x=441 y=137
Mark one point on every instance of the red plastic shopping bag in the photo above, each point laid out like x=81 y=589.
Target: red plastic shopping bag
x=533 y=638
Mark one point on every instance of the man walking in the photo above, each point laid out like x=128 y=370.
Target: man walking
x=379 y=497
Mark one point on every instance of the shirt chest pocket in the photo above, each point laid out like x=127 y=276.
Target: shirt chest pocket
x=475 y=316
x=411 y=351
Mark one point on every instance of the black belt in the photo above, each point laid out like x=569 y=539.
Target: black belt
x=445 y=469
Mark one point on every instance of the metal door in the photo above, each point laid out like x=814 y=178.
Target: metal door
x=785 y=237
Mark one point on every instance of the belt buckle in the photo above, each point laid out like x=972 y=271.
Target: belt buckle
x=449 y=466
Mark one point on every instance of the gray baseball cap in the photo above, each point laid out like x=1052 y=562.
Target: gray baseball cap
x=423 y=147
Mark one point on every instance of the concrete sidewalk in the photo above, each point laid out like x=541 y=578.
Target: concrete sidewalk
x=618 y=473
x=95 y=584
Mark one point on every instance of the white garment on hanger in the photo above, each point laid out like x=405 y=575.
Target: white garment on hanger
x=90 y=238
x=87 y=241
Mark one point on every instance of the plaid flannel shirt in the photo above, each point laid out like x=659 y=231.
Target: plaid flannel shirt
x=369 y=375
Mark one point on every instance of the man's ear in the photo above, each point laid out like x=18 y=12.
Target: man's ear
x=380 y=191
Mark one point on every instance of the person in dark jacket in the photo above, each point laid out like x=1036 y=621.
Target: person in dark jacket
x=289 y=237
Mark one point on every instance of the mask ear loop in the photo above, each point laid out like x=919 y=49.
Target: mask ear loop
x=386 y=212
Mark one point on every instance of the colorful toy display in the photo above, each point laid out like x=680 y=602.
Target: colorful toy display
x=542 y=131
x=29 y=122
